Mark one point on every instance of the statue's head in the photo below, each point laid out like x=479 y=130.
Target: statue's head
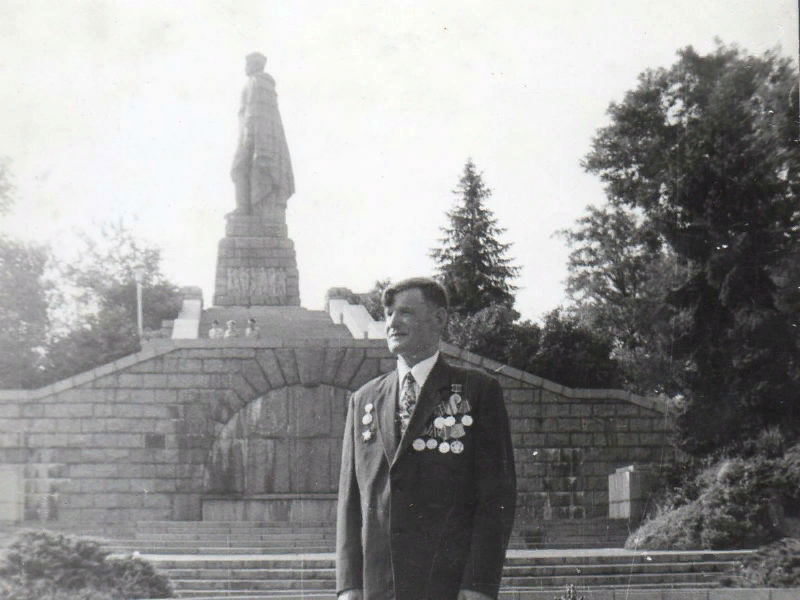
x=254 y=63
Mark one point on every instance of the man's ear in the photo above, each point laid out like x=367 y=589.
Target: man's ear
x=441 y=317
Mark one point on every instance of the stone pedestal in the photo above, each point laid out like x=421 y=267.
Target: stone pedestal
x=256 y=263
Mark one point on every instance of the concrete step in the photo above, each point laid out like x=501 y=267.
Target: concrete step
x=524 y=570
x=240 y=536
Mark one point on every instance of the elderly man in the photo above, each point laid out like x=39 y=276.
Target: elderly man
x=427 y=487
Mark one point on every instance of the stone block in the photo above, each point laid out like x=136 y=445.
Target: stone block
x=520 y=396
x=349 y=366
x=309 y=413
x=367 y=371
x=311 y=466
x=252 y=373
x=244 y=390
x=330 y=365
x=627 y=409
x=580 y=439
x=118 y=440
x=739 y=594
x=31 y=409
x=288 y=365
x=310 y=362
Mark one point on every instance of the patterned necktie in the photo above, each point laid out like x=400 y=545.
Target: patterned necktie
x=408 y=400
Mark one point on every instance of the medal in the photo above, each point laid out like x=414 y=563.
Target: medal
x=449 y=421
x=418 y=444
x=456 y=447
x=439 y=422
x=444 y=447
x=366 y=435
x=457 y=431
x=466 y=420
x=431 y=444
x=368 y=408
x=366 y=419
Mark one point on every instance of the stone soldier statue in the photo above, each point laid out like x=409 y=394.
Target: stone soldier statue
x=262 y=169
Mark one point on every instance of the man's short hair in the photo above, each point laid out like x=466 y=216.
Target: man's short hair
x=432 y=291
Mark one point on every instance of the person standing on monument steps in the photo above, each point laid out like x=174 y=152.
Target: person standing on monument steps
x=262 y=169
x=427 y=488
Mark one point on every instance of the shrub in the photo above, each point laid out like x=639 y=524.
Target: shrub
x=736 y=503
x=38 y=563
x=774 y=565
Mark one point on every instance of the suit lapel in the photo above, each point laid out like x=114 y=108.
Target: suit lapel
x=385 y=409
x=429 y=396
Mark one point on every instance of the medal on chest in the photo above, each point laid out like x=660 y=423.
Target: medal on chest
x=449 y=425
x=368 y=423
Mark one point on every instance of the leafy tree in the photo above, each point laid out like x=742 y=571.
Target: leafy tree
x=573 y=355
x=101 y=323
x=707 y=151
x=371 y=300
x=24 y=295
x=24 y=289
x=619 y=275
x=471 y=261
x=494 y=332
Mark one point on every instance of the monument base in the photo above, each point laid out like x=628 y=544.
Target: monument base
x=278 y=508
x=256 y=264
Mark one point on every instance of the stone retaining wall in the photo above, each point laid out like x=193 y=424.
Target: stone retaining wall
x=135 y=439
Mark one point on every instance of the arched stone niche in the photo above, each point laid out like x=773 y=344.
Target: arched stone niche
x=277 y=458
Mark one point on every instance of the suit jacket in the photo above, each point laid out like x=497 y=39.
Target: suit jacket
x=421 y=524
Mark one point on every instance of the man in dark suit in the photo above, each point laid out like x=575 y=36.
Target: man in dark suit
x=427 y=489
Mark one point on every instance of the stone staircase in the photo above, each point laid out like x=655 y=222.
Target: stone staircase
x=265 y=577
x=211 y=560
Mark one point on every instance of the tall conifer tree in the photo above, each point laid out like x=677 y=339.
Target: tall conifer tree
x=471 y=261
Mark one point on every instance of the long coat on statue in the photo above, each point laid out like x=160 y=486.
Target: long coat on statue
x=421 y=517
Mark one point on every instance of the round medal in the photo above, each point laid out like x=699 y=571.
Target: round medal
x=368 y=407
x=418 y=444
x=366 y=419
x=366 y=435
x=450 y=421
x=456 y=447
x=439 y=422
x=444 y=447
x=466 y=420
x=431 y=444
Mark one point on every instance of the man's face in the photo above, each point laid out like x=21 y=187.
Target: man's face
x=413 y=326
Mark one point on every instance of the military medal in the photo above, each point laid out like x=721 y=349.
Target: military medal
x=367 y=420
x=466 y=420
x=444 y=447
x=456 y=447
x=418 y=444
x=439 y=422
x=431 y=443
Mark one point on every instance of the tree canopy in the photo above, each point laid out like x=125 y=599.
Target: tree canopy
x=707 y=151
x=101 y=325
x=472 y=262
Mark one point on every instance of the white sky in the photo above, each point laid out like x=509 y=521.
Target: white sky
x=128 y=109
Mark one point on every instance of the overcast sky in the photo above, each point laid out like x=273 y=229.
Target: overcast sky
x=128 y=109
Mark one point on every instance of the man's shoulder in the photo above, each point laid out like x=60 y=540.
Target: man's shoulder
x=375 y=385
x=470 y=375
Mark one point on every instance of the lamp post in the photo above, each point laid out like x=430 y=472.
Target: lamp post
x=138 y=275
